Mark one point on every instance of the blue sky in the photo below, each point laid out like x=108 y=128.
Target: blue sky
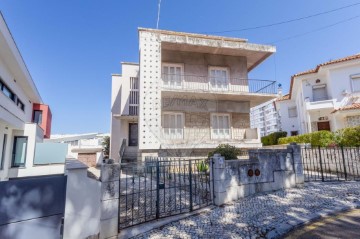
x=72 y=47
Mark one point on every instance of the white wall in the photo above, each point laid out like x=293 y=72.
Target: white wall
x=82 y=209
x=287 y=124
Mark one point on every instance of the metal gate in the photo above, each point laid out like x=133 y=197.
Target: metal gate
x=161 y=187
x=331 y=163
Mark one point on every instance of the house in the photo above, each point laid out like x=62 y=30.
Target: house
x=188 y=94
x=87 y=148
x=266 y=118
x=324 y=98
x=24 y=118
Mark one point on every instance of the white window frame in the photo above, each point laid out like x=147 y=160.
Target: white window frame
x=352 y=78
x=166 y=64
x=222 y=68
x=173 y=133
x=218 y=136
x=319 y=87
x=292 y=108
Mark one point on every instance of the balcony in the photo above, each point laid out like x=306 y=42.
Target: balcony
x=207 y=84
x=319 y=104
x=196 y=135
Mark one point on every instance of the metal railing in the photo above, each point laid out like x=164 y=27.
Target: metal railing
x=216 y=84
x=196 y=134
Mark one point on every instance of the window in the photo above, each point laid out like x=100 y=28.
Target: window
x=292 y=112
x=2 y=159
x=219 y=78
x=355 y=83
x=19 y=151
x=134 y=96
x=38 y=116
x=319 y=92
x=220 y=126
x=172 y=75
x=20 y=104
x=6 y=90
x=294 y=133
x=173 y=125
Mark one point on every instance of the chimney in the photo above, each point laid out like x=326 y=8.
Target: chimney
x=279 y=90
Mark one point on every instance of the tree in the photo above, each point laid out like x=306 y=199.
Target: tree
x=106 y=146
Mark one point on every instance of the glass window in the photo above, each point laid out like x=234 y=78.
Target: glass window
x=38 y=116
x=20 y=105
x=355 y=82
x=2 y=159
x=220 y=126
x=172 y=75
x=292 y=112
x=173 y=125
x=219 y=78
x=19 y=151
x=7 y=91
x=319 y=93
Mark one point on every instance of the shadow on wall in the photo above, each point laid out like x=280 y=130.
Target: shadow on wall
x=32 y=206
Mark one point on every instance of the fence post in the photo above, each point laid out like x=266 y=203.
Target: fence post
x=321 y=166
x=190 y=185
x=157 y=190
x=343 y=158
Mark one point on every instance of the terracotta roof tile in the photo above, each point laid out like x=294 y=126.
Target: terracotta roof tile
x=284 y=97
x=354 y=106
x=316 y=69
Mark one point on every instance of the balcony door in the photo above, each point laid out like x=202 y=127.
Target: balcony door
x=133 y=134
x=173 y=125
x=319 y=93
x=172 y=75
x=219 y=78
x=220 y=124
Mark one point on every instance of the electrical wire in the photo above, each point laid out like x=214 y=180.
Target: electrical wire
x=287 y=21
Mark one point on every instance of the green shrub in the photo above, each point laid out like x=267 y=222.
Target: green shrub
x=348 y=137
x=322 y=138
x=272 y=139
x=202 y=167
x=226 y=150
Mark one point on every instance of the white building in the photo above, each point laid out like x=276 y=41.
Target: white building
x=265 y=117
x=188 y=94
x=324 y=98
x=88 y=148
x=24 y=119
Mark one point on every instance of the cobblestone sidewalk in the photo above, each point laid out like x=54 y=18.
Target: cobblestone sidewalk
x=265 y=216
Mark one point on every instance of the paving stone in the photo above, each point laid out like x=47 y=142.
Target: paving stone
x=266 y=215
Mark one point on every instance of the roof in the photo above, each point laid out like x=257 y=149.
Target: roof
x=317 y=68
x=192 y=34
x=284 y=97
x=354 y=106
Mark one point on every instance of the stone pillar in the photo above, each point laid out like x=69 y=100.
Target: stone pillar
x=217 y=173
x=298 y=165
x=109 y=220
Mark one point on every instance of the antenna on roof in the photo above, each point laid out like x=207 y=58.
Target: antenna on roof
x=158 y=16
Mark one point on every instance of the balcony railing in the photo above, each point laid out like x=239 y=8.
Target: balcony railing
x=204 y=134
x=217 y=84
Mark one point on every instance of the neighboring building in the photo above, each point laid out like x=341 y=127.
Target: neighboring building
x=265 y=117
x=189 y=94
x=87 y=148
x=324 y=98
x=24 y=119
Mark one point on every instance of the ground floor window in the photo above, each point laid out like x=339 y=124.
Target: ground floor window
x=2 y=158
x=220 y=124
x=294 y=133
x=19 y=151
x=173 y=125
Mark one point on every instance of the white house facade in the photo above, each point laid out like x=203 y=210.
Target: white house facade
x=24 y=119
x=324 y=98
x=188 y=94
x=266 y=118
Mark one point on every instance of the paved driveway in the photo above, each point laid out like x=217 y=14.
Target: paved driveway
x=345 y=225
x=265 y=216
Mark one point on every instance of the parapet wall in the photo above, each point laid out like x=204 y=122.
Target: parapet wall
x=265 y=170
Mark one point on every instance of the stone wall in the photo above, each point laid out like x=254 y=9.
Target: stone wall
x=110 y=175
x=352 y=121
x=266 y=170
x=87 y=158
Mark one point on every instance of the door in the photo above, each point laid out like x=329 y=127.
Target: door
x=323 y=126
x=19 y=151
x=133 y=134
x=220 y=126
x=172 y=76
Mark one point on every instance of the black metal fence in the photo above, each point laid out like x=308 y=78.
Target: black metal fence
x=161 y=187
x=331 y=163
